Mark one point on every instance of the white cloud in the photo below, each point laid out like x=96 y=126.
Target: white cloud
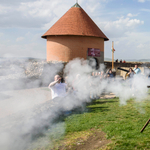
x=133 y=22
x=38 y=13
x=24 y=50
x=46 y=26
x=14 y=2
x=141 y=1
x=33 y=13
x=42 y=14
x=1 y=34
x=36 y=9
x=92 y=7
x=146 y=10
x=131 y=15
x=119 y=27
x=28 y=45
x=4 y=9
x=133 y=45
x=20 y=39
x=140 y=46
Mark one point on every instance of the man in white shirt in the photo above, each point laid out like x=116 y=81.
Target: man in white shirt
x=137 y=70
x=58 y=89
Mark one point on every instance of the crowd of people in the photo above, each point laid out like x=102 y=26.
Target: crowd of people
x=59 y=89
x=120 y=61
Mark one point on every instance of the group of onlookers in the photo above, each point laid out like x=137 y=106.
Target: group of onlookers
x=103 y=75
x=134 y=71
x=58 y=89
x=120 y=61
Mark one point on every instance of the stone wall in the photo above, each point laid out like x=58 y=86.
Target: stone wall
x=39 y=69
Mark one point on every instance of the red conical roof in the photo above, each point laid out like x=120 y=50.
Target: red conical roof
x=75 y=22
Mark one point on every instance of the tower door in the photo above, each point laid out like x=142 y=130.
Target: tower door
x=93 y=54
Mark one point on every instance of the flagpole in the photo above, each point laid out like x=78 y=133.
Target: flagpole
x=112 y=55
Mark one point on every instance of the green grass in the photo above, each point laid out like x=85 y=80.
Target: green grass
x=122 y=124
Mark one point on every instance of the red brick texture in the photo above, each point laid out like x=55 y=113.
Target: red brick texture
x=66 y=48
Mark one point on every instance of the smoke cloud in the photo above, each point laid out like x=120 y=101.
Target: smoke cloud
x=32 y=113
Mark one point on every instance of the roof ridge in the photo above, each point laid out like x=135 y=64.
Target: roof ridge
x=76 y=5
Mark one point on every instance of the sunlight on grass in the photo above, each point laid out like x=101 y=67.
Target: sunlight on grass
x=122 y=124
x=72 y=137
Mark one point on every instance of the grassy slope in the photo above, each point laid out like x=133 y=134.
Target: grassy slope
x=122 y=124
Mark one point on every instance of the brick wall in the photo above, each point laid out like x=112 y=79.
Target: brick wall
x=65 y=48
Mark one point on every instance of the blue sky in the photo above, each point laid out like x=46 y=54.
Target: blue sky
x=126 y=22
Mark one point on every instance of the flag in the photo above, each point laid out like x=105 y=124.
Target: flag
x=113 y=50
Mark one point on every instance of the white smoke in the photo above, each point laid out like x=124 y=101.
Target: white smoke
x=79 y=76
x=33 y=116
x=25 y=112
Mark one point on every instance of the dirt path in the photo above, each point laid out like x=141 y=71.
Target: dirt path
x=96 y=141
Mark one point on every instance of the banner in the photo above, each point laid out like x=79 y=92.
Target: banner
x=94 y=52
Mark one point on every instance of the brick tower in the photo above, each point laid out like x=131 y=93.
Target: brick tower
x=75 y=35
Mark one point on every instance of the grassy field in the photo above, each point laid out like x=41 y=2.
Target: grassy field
x=120 y=125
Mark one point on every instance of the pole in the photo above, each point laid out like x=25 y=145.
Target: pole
x=145 y=125
x=112 y=55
